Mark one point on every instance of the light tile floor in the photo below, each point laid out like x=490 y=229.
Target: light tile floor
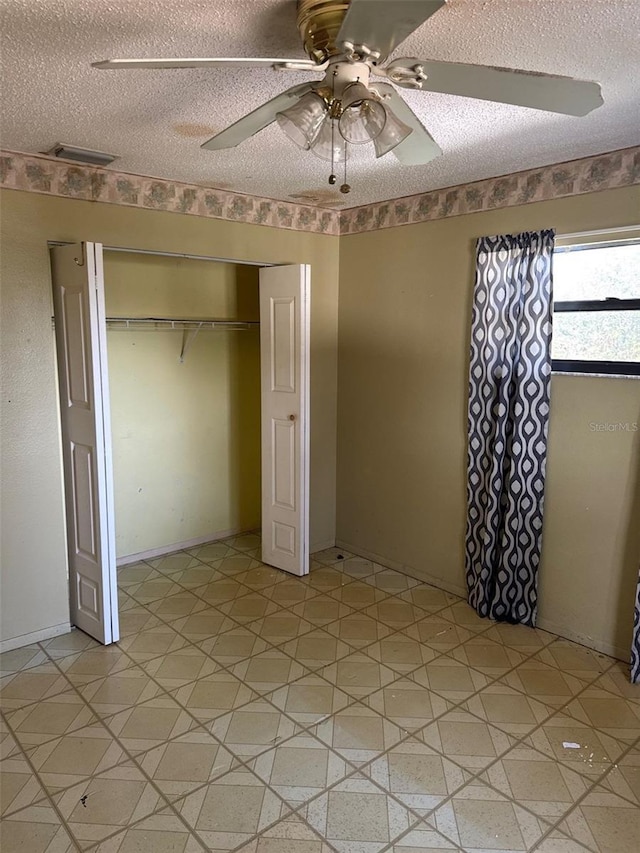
x=355 y=710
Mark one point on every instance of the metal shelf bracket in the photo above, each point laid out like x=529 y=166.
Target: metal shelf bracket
x=188 y=337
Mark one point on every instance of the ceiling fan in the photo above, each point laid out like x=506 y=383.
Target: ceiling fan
x=347 y=41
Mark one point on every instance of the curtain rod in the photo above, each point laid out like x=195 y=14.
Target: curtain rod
x=600 y=232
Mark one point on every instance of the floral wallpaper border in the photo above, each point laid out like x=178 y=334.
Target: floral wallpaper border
x=590 y=174
x=41 y=174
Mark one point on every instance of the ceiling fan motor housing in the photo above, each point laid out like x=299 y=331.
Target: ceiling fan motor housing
x=319 y=22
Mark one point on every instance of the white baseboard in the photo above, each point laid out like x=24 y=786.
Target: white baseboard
x=560 y=630
x=203 y=540
x=401 y=567
x=321 y=546
x=34 y=637
x=180 y=546
x=584 y=640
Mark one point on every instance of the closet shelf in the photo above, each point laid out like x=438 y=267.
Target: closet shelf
x=189 y=327
x=180 y=324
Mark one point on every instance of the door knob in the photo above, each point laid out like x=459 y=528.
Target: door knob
x=292 y=417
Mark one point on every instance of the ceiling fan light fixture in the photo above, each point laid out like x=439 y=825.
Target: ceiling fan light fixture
x=303 y=120
x=329 y=140
x=393 y=133
x=363 y=118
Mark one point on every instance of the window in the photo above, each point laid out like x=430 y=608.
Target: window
x=596 y=309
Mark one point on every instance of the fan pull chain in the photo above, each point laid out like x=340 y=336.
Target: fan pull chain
x=332 y=176
x=345 y=188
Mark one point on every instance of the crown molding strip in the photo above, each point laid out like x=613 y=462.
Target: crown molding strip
x=575 y=177
x=41 y=174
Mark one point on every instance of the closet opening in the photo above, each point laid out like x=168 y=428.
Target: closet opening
x=183 y=347
x=184 y=409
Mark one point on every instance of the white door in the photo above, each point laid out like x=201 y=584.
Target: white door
x=78 y=295
x=284 y=355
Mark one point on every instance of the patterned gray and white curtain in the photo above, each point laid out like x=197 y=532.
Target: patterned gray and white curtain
x=635 y=643
x=508 y=423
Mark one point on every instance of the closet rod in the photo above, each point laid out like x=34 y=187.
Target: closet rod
x=178 y=323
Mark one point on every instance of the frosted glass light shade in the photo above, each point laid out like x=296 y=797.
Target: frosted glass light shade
x=322 y=144
x=363 y=118
x=303 y=120
x=393 y=133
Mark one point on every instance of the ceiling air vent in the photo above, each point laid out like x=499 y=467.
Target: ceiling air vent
x=81 y=155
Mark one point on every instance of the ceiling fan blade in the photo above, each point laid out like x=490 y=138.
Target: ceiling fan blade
x=257 y=120
x=246 y=62
x=383 y=24
x=419 y=147
x=508 y=86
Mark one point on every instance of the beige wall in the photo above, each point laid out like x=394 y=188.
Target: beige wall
x=138 y=285
x=405 y=302
x=404 y=328
x=186 y=436
x=33 y=551
x=591 y=545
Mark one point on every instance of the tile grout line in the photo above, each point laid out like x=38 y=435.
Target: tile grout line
x=357 y=769
x=131 y=759
x=259 y=696
x=576 y=804
x=171 y=802
x=316 y=627
x=189 y=641
x=519 y=741
x=361 y=700
x=169 y=692
x=308 y=728
x=217 y=608
x=48 y=795
x=559 y=710
x=122 y=829
x=394 y=630
x=454 y=849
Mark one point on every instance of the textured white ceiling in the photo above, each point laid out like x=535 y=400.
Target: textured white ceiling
x=156 y=120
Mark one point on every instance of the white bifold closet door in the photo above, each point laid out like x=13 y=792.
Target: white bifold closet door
x=284 y=362
x=78 y=293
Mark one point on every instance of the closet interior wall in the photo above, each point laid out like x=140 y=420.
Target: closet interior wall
x=186 y=435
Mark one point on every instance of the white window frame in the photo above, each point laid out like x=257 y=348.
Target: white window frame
x=586 y=241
